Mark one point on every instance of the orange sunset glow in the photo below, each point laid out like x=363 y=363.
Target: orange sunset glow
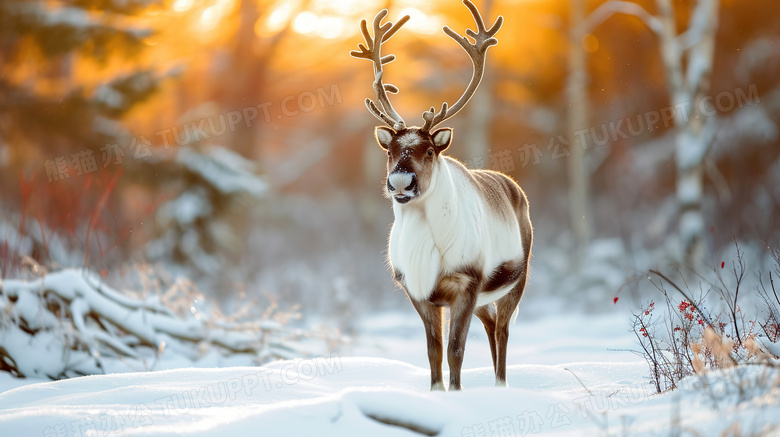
x=248 y=183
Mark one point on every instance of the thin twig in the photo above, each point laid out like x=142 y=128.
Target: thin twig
x=685 y=295
x=738 y=277
x=580 y=381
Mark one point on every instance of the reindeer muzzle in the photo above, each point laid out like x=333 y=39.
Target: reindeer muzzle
x=402 y=186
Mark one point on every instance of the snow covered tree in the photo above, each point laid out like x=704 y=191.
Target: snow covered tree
x=687 y=59
x=200 y=230
x=49 y=108
x=71 y=72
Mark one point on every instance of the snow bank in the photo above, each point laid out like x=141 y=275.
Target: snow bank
x=371 y=396
x=572 y=383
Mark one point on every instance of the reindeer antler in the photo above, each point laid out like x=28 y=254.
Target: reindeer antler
x=371 y=51
x=482 y=40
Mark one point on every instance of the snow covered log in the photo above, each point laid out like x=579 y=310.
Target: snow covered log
x=70 y=323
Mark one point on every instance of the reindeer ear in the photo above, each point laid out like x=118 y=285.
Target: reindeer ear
x=383 y=136
x=442 y=139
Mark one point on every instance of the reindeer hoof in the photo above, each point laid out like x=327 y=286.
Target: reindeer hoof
x=439 y=386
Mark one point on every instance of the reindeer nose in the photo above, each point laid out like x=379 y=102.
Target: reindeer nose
x=412 y=185
x=404 y=181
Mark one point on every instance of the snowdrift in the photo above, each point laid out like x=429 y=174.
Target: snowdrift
x=379 y=397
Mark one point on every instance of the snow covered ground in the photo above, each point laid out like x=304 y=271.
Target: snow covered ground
x=566 y=377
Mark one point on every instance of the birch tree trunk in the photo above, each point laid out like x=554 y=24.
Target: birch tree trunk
x=694 y=135
x=579 y=190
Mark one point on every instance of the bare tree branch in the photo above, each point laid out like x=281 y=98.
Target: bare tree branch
x=612 y=7
x=697 y=25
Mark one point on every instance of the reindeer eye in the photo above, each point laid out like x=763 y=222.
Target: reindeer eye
x=388 y=153
x=430 y=152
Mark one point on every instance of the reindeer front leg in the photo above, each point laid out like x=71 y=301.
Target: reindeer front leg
x=433 y=320
x=460 y=319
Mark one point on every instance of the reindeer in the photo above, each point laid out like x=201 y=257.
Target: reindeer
x=461 y=238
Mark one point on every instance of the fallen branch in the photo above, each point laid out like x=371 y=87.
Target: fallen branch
x=70 y=322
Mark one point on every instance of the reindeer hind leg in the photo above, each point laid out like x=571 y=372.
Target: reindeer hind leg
x=505 y=309
x=487 y=315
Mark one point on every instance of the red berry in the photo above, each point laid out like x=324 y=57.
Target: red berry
x=615 y=300
x=647 y=312
x=722 y=264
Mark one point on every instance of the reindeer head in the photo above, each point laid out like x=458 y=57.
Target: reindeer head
x=412 y=158
x=413 y=153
